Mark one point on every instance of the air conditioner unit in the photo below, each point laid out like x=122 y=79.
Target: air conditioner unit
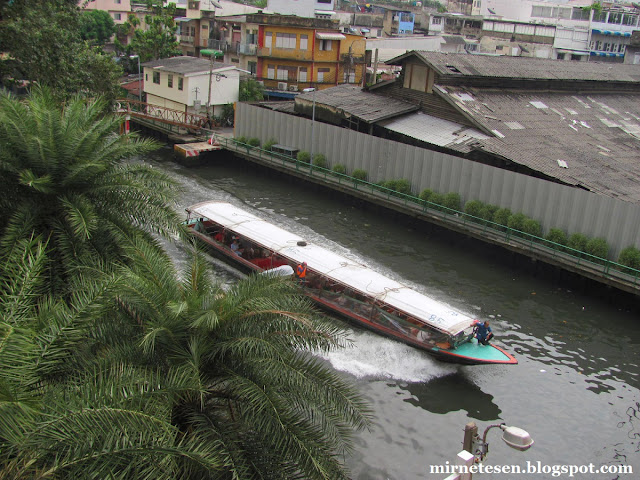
x=293 y=88
x=282 y=86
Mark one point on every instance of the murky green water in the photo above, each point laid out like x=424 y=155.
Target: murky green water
x=575 y=389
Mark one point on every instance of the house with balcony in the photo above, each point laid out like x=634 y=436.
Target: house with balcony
x=303 y=8
x=295 y=53
x=118 y=9
x=190 y=85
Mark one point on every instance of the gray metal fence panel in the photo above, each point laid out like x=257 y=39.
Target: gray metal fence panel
x=554 y=205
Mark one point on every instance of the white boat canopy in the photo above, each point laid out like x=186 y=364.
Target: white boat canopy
x=341 y=269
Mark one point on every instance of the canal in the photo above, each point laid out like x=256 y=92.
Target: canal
x=575 y=389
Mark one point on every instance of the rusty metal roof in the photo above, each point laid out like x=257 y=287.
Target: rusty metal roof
x=352 y=101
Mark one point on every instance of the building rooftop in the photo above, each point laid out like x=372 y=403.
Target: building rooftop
x=466 y=65
x=186 y=65
x=351 y=100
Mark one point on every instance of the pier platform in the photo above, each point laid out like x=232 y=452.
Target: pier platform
x=191 y=154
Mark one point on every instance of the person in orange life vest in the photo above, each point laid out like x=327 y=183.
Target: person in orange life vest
x=301 y=272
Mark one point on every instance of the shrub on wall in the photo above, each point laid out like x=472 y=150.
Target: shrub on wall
x=241 y=139
x=473 y=207
x=578 y=241
x=630 y=257
x=598 y=247
x=452 y=200
x=437 y=199
x=516 y=221
x=501 y=217
x=359 y=173
x=557 y=236
x=254 y=141
x=319 y=160
x=399 y=185
x=303 y=156
x=532 y=227
x=270 y=143
x=426 y=194
x=487 y=212
x=339 y=168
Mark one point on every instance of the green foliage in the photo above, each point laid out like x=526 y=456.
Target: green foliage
x=319 y=160
x=516 y=221
x=532 y=227
x=227 y=117
x=437 y=199
x=578 y=241
x=487 y=212
x=630 y=257
x=42 y=44
x=597 y=247
x=426 y=194
x=399 y=185
x=63 y=178
x=473 y=207
x=254 y=141
x=359 y=174
x=251 y=90
x=452 y=200
x=241 y=139
x=557 y=236
x=303 y=156
x=339 y=168
x=96 y=26
x=501 y=216
x=270 y=143
x=158 y=39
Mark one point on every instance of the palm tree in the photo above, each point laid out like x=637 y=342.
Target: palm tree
x=99 y=419
x=270 y=408
x=62 y=177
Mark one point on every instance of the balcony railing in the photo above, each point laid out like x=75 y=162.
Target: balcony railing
x=247 y=49
x=186 y=39
x=221 y=45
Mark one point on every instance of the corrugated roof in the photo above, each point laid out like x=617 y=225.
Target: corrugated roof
x=596 y=135
x=351 y=100
x=185 y=65
x=456 y=64
x=435 y=130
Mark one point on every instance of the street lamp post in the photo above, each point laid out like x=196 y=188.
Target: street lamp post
x=515 y=437
x=139 y=77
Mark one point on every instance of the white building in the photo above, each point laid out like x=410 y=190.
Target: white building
x=186 y=84
x=303 y=8
x=118 y=9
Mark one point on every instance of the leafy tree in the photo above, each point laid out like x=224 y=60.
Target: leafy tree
x=158 y=40
x=532 y=227
x=267 y=408
x=96 y=26
x=630 y=257
x=473 y=207
x=452 y=200
x=501 y=217
x=251 y=90
x=487 y=212
x=516 y=221
x=44 y=46
x=557 y=236
x=597 y=247
x=62 y=177
x=578 y=241
x=426 y=194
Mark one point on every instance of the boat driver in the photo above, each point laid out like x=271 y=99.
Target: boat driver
x=483 y=332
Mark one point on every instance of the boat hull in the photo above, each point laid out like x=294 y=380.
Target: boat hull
x=469 y=353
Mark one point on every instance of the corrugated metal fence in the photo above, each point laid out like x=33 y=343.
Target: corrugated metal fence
x=553 y=205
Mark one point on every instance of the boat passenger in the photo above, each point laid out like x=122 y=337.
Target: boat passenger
x=199 y=226
x=483 y=332
x=301 y=272
x=235 y=247
x=219 y=236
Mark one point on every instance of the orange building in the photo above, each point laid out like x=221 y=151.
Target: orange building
x=295 y=53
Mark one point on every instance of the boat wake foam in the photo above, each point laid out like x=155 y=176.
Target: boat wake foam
x=372 y=356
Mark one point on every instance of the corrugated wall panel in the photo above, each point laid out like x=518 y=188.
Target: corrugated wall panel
x=554 y=205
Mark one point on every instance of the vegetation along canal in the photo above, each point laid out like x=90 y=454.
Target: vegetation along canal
x=575 y=389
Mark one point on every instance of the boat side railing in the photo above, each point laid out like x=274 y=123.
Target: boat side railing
x=535 y=245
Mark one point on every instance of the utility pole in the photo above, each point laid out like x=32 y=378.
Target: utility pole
x=210 y=79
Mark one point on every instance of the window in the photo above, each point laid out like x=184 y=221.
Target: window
x=321 y=74
x=170 y=81
x=268 y=40
x=349 y=76
x=271 y=71
x=630 y=19
x=324 y=1
x=576 y=57
x=325 y=45
x=205 y=26
x=117 y=16
x=118 y=2
x=235 y=60
x=156 y=78
x=253 y=67
x=282 y=73
x=436 y=20
x=560 y=56
x=607 y=47
x=615 y=17
x=580 y=14
x=303 y=42
x=302 y=74
x=180 y=83
x=286 y=40
x=146 y=77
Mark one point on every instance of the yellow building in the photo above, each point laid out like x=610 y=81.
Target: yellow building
x=295 y=53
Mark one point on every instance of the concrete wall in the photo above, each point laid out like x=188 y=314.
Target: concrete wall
x=555 y=206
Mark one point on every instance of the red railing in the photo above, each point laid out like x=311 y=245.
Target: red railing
x=163 y=114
